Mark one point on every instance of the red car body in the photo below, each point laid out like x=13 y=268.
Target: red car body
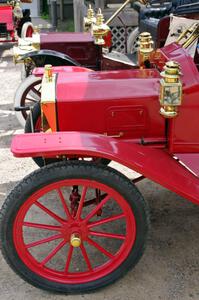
x=11 y=26
x=79 y=46
x=115 y=115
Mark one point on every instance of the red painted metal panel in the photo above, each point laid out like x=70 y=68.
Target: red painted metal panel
x=191 y=161
x=94 y=103
x=184 y=130
x=155 y=164
x=6 y=16
x=79 y=46
x=162 y=31
x=174 y=52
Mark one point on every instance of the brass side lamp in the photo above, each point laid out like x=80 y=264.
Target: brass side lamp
x=170 y=90
x=145 y=48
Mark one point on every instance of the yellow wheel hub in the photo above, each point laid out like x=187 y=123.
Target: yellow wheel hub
x=75 y=240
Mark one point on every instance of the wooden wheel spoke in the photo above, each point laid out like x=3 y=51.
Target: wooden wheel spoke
x=70 y=253
x=65 y=207
x=43 y=241
x=49 y=212
x=53 y=253
x=100 y=248
x=108 y=235
x=81 y=202
x=32 y=100
x=85 y=255
x=94 y=211
x=36 y=91
x=93 y=201
x=106 y=220
x=42 y=226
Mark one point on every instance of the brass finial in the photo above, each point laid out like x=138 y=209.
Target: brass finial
x=171 y=72
x=99 y=18
x=90 y=19
x=48 y=72
x=100 y=29
x=145 y=48
x=90 y=12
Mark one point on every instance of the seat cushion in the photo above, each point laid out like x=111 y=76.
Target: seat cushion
x=149 y=25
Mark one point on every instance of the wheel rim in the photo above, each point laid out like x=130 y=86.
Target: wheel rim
x=29 y=31
x=28 y=98
x=81 y=250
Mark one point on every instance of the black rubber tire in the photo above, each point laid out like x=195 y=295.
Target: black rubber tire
x=36 y=114
x=71 y=170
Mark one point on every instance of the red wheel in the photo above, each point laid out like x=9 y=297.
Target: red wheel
x=27 y=30
x=73 y=227
x=27 y=94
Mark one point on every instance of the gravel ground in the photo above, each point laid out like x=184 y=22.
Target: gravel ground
x=169 y=268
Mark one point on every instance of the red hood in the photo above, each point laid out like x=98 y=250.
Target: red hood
x=122 y=84
x=69 y=37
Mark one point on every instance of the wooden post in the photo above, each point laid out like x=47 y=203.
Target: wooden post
x=100 y=4
x=79 y=12
x=54 y=14
x=61 y=7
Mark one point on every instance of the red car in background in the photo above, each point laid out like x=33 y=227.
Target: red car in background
x=14 y=22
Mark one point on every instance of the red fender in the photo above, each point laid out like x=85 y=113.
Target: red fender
x=155 y=164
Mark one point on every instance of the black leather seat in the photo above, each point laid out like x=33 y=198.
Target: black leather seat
x=149 y=25
x=178 y=3
x=190 y=8
x=155 y=12
x=150 y=16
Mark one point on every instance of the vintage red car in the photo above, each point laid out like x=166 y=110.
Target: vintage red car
x=80 y=49
x=76 y=225
x=14 y=22
x=69 y=48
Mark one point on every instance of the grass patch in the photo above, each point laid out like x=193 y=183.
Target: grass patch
x=45 y=16
x=66 y=25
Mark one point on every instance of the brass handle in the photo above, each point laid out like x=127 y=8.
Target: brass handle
x=120 y=134
x=193 y=32
x=117 y=11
